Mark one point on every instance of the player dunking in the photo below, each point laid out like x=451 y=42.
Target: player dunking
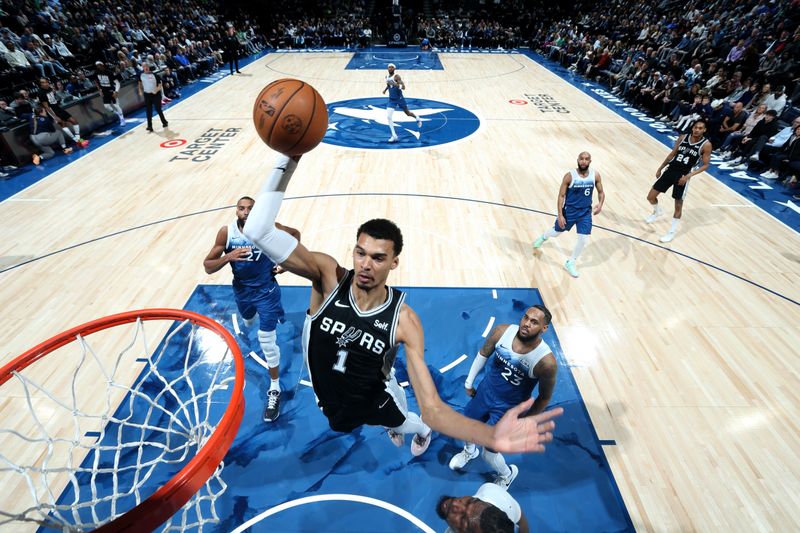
x=354 y=328
x=256 y=292
x=680 y=163
x=575 y=207
x=395 y=86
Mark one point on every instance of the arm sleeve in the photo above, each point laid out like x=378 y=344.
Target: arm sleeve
x=477 y=365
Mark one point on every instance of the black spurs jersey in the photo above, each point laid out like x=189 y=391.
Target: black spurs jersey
x=351 y=353
x=688 y=154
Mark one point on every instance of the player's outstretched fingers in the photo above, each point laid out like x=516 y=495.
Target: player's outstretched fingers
x=513 y=434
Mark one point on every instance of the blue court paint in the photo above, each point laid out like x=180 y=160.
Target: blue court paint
x=29 y=174
x=362 y=123
x=608 y=443
x=569 y=488
x=772 y=197
x=406 y=59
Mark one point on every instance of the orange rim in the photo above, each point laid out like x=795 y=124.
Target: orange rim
x=162 y=504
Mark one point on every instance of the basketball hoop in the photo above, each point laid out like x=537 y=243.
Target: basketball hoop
x=193 y=441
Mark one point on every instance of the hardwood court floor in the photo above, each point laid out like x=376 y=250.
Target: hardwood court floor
x=692 y=371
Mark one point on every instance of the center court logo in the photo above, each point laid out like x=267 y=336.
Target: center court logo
x=363 y=123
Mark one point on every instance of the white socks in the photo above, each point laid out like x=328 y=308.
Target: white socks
x=579 y=246
x=389 y=114
x=552 y=233
x=497 y=462
x=414 y=425
x=274 y=384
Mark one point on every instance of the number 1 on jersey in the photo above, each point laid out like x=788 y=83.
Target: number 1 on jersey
x=341 y=357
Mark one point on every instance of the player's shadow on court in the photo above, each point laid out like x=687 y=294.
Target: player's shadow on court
x=794 y=258
x=167 y=133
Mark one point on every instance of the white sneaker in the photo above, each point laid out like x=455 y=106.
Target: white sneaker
x=420 y=444
x=668 y=236
x=652 y=217
x=754 y=157
x=770 y=175
x=393 y=139
x=398 y=439
x=570 y=266
x=419 y=123
x=743 y=166
x=504 y=482
x=461 y=459
x=737 y=161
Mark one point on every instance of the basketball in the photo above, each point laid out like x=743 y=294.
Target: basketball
x=290 y=116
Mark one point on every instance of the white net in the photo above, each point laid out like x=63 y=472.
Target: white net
x=89 y=446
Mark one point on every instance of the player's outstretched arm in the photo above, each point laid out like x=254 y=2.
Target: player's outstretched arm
x=280 y=246
x=529 y=434
x=515 y=436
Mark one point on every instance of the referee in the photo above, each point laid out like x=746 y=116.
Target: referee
x=150 y=89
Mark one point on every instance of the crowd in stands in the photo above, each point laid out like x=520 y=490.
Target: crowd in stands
x=325 y=23
x=732 y=64
x=64 y=40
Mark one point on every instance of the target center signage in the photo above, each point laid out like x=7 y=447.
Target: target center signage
x=206 y=146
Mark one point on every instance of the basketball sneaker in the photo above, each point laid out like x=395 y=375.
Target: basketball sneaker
x=420 y=444
x=393 y=139
x=668 y=236
x=273 y=406
x=570 y=266
x=539 y=242
x=505 y=481
x=461 y=459
x=398 y=439
x=654 y=215
x=419 y=123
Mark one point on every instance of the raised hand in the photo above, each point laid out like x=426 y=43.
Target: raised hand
x=513 y=434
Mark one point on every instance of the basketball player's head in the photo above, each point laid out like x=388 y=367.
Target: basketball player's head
x=584 y=160
x=471 y=515
x=699 y=127
x=534 y=322
x=390 y=67
x=378 y=245
x=243 y=208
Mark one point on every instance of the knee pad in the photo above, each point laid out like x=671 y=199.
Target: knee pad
x=267 y=340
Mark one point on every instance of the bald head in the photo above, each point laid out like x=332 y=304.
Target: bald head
x=584 y=160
